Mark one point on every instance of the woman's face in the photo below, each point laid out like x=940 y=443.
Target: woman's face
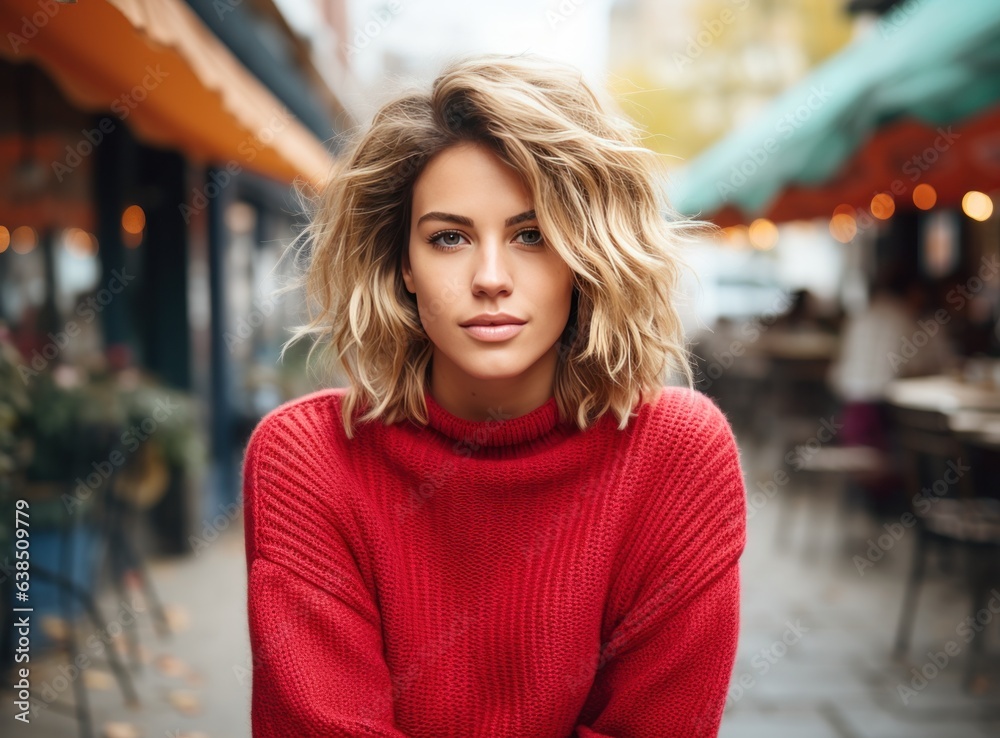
x=474 y=249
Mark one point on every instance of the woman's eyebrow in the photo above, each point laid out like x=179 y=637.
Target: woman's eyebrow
x=462 y=220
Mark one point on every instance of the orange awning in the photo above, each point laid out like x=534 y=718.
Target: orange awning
x=156 y=67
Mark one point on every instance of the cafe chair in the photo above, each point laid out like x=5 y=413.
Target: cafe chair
x=132 y=490
x=48 y=508
x=830 y=470
x=953 y=510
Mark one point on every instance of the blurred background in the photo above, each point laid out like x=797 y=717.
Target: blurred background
x=845 y=316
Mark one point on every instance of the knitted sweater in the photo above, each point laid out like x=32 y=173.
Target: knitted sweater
x=510 y=577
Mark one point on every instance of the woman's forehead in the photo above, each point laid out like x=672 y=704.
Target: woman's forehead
x=471 y=182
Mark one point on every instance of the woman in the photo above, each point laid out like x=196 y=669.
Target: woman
x=505 y=525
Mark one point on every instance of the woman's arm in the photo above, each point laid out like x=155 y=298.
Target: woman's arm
x=675 y=682
x=674 y=603
x=317 y=666
x=315 y=634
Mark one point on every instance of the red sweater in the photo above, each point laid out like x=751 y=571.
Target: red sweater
x=512 y=577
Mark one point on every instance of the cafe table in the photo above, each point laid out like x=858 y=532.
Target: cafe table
x=943 y=392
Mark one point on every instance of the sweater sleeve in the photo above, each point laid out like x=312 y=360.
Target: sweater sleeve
x=315 y=633
x=674 y=608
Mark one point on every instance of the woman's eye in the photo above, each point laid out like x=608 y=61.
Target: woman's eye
x=448 y=240
x=436 y=239
x=535 y=236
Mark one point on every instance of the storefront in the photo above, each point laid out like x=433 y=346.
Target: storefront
x=145 y=203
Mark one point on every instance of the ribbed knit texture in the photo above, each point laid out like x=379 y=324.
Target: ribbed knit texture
x=510 y=577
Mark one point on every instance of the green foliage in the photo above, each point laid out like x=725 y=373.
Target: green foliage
x=174 y=417
x=15 y=450
x=59 y=423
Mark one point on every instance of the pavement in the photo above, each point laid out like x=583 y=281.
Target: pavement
x=192 y=683
x=814 y=658
x=819 y=614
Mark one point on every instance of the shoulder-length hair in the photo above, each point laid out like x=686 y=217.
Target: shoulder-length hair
x=598 y=196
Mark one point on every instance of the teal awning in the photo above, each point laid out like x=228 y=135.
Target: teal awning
x=937 y=61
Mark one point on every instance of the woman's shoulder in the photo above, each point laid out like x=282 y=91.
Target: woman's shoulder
x=680 y=414
x=303 y=421
x=298 y=489
x=691 y=463
x=684 y=437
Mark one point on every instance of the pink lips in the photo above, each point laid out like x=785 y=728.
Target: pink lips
x=494 y=326
x=494 y=332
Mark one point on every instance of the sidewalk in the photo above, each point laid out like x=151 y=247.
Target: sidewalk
x=813 y=663
x=195 y=684
x=814 y=658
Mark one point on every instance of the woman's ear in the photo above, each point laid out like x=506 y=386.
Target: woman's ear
x=407 y=271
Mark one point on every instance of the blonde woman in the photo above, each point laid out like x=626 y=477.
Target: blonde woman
x=506 y=525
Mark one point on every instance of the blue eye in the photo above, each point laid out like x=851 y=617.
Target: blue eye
x=434 y=240
x=532 y=243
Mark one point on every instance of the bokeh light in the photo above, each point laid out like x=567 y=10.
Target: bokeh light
x=977 y=205
x=843 y=227
x=883 y=206
x=763 y=234
x=23 y=239
x=924 y=196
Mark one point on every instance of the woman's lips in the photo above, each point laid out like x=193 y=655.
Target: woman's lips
x=494 y=332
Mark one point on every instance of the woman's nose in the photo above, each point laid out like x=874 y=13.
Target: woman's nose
x=492 y=272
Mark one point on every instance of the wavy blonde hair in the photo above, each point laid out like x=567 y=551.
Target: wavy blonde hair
x=598 y=196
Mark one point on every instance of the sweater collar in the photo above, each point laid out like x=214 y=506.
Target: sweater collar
x=501 y=431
